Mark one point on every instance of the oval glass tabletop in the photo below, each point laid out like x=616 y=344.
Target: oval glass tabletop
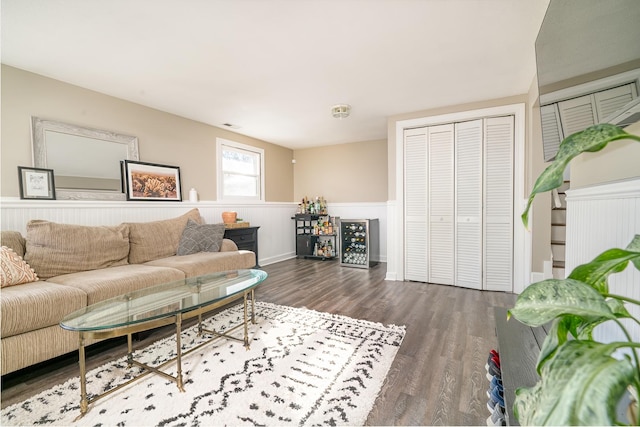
x=162 y=300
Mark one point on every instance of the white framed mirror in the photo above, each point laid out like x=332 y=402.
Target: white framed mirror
x=85 y=161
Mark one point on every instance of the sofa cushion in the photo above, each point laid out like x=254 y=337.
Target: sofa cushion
x=22 y=350
x=208 y=262
x=37 y=305
x=13 y=240
x=200 y=238
x=54 y=249
x=106 y=283
x=157 y=239
x=14 y=270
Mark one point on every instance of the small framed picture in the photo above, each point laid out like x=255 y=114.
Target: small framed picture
x=152 y=182
x=36 y=183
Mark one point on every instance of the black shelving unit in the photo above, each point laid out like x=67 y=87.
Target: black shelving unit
x=316 y=236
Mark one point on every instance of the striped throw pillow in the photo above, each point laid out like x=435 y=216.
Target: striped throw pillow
x=15 y=271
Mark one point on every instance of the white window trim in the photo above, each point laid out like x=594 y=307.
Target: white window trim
x=220 y=142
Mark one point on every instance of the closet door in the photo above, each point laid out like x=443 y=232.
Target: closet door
x=440 y=207
x=498 y=204
x=415 y=205
x=468 y=204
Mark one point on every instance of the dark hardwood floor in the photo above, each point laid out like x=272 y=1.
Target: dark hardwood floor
x=437 y=377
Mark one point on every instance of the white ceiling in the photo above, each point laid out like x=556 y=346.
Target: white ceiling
x=275 y=67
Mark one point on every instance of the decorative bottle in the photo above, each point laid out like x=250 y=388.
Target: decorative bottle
x=193 y=195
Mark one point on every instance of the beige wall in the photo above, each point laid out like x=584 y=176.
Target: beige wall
x=162 y=137
x=618 y=160
x=355 y=172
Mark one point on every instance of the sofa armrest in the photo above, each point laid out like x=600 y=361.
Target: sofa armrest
x=228 y=245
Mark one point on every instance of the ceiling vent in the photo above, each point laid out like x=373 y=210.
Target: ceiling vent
x=231 y=126
x=627 y=115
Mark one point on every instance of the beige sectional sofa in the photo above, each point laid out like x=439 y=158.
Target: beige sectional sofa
x=81 y=265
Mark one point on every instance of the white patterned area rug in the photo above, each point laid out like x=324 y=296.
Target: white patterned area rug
x=304 y=368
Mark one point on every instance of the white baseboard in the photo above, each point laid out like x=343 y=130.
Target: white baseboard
x=391 y=275
x=548 y=270
x=278 y=258
x=537 y=277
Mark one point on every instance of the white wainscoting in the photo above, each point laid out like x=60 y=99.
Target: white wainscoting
x=599 y=218
x=392 y=243
x=276 y=237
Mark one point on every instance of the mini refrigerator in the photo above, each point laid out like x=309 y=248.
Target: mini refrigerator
x=359 y=242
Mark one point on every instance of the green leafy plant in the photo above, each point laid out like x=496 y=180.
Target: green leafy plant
x=581 y=382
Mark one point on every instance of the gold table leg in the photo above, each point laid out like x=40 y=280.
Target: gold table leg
x=246 y=330
x=179 y=352
x=253 y=307
x=84 y=403
x=129 y=350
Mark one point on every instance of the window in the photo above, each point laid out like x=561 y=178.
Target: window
x=240 y=171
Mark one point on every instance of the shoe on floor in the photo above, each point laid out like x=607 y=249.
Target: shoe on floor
x=492 y=362
x=495 y=381
x=497 y=396
x=498 y=388
x=496 y=419
x=493 y=371
x=494 y=406
x=491 y=376
x=493 y=358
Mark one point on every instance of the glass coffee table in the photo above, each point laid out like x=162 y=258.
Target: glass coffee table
x=166 y=304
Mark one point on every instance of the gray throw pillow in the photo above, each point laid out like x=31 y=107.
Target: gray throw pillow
x=201 y=238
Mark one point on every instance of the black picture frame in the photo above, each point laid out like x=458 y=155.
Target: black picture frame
x=36 y=183
x=152 y=182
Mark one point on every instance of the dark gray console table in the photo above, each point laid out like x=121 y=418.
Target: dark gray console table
x=519 y=347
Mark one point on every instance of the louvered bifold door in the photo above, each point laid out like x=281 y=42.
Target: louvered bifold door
x=498 y=204
x=610 y=101
x=577 y=114
x=415 y=205
x=551 y=131
x=468 y=204
x=440 y=207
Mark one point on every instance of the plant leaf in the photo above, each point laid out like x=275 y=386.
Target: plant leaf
x=618 y=309
x=556 y=336
x=562 y=326
x=596 y=272
x=543 y=301
x=580 y=385
x=635 y=247
x=592 y=139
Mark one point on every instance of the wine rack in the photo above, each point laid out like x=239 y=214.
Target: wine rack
x=316 y=236
x=359 y=242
